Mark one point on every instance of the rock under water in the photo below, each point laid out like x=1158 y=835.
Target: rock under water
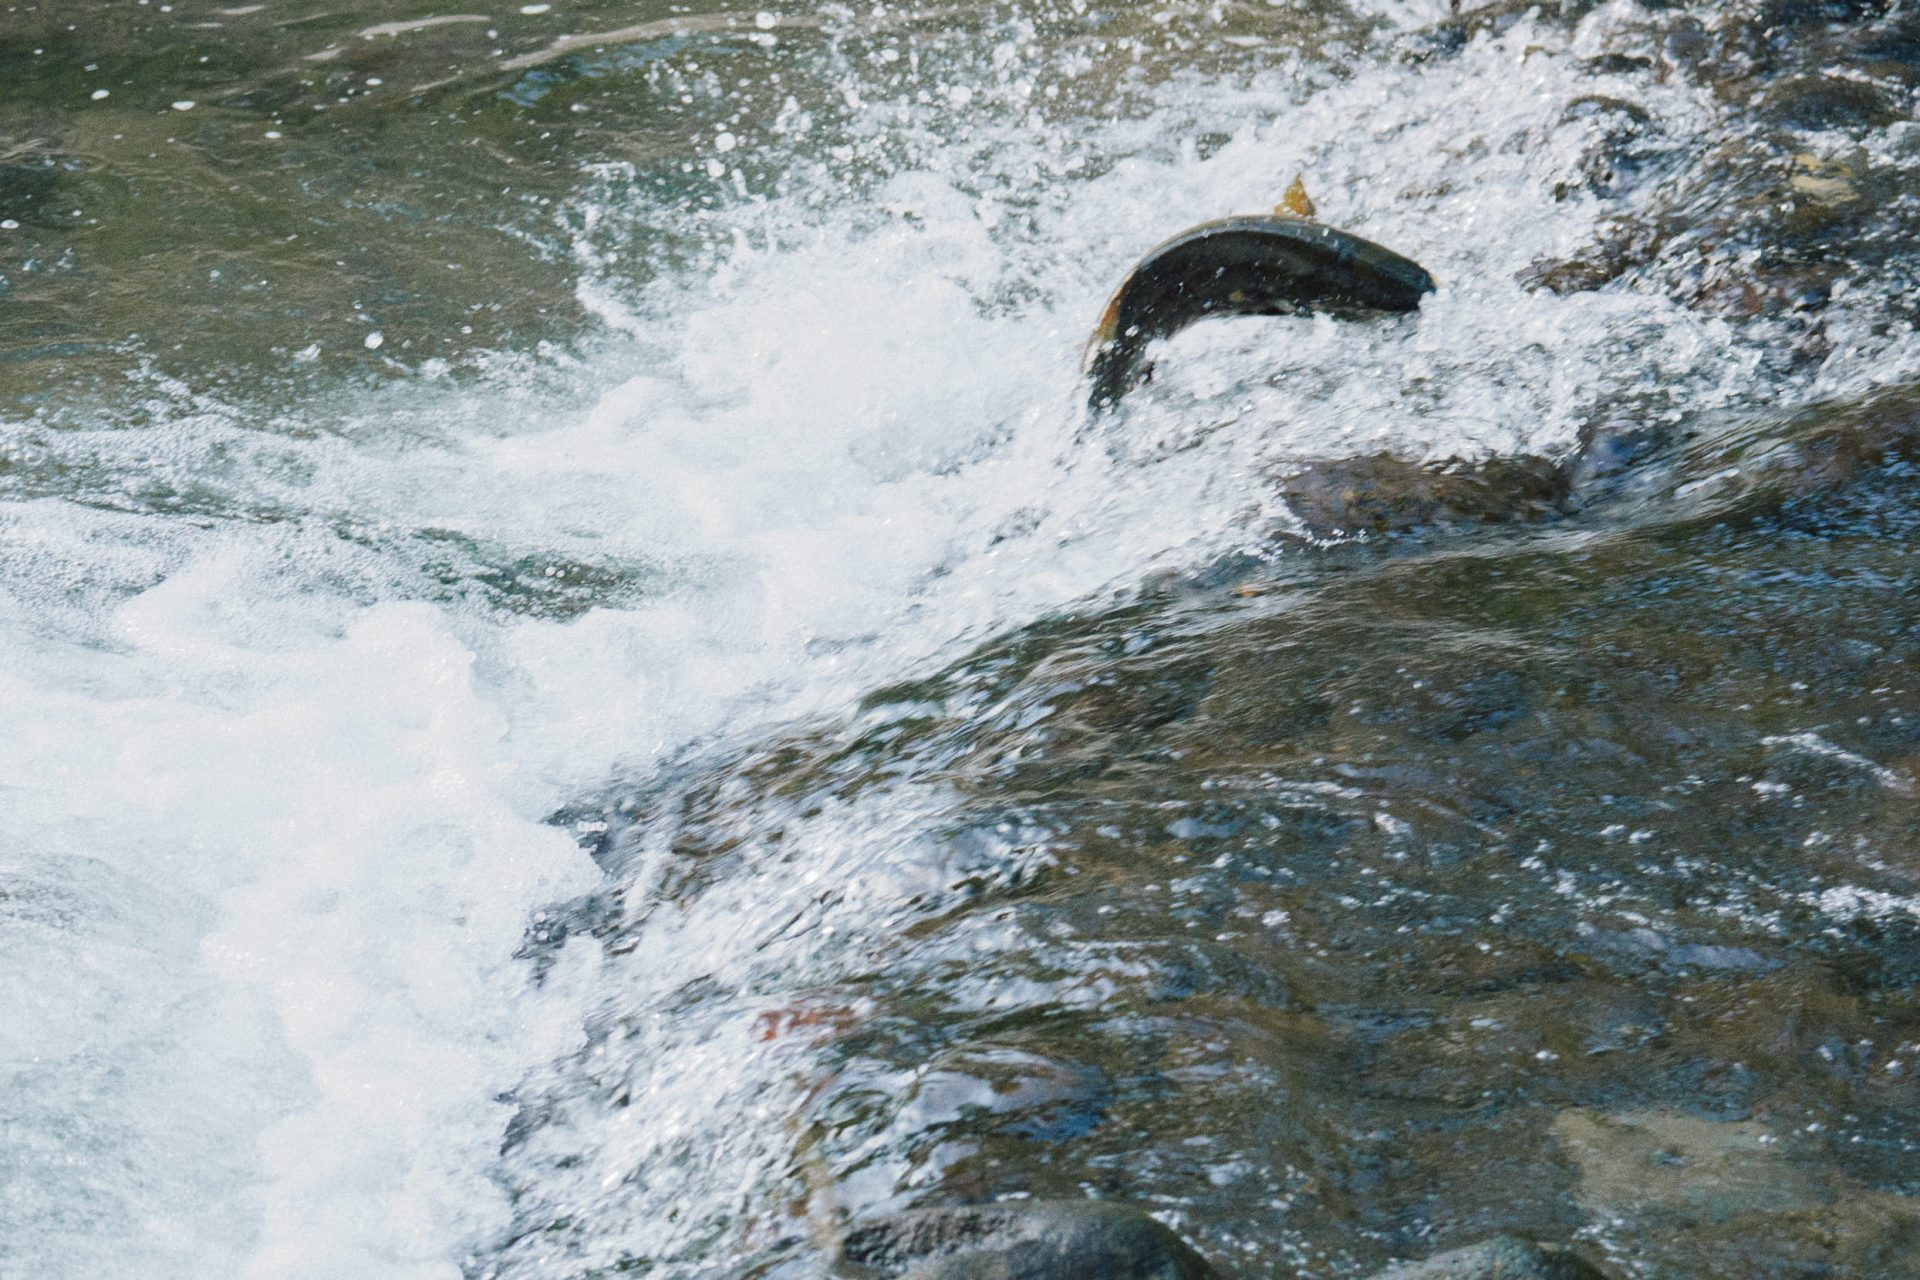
x=1031 y=1240
x=1099 y=1240
x=1501 y=1258
x=1748 y=465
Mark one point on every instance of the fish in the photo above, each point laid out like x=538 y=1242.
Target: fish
x=1260 y=264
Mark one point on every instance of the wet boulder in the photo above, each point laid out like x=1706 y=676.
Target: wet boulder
x=1621 y=245
x=1827 y=102
x=1455 y=32
x=1711 y=1188
x=1380 y=494
x=1612 y=159
x=1765 y=223
x=1746 y=465
x=1020 y=1240
x=1501 y=1258
x=1814 y=455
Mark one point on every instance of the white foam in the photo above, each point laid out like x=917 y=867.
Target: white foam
x=315 y=858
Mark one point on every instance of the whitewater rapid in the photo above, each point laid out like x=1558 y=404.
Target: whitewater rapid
x=290 y=691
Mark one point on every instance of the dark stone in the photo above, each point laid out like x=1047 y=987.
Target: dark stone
x=1455 y=32
x=1817 y=453
x=1616 y=64
x=1380 y=494
x=1611 y=161
x=1021 y=1240
x=1620 y=247
x=1501 y=1258
x=1685 y=45
x=1827 y=102
x=1898 y=43
x=1572 y=275
x=1758 y=467
x=26 y=192
x=1594 y=105
x=1796 y=13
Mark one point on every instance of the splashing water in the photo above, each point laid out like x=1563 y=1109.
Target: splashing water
x=295 y=676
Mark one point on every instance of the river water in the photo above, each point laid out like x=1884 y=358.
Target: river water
x=579 y=696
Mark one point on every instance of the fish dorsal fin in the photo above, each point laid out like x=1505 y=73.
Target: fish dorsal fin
x=1296 y=203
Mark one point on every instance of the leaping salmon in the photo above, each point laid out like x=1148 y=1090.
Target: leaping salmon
x=1283 y=263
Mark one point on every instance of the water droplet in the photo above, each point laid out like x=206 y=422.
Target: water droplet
x=373 y=340
x=535 y=8
x=765 y=21
x=725 y=142
x=185 y=104
x=100 y=93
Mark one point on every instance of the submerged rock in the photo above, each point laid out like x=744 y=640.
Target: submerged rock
x=1501 y=1258
x=1097 y=1240
x=1458 y=30
x=1752 y=466
x=1022 y=1240
x=1720 y=1185
x=1812 y=455
x=1827 y=102
x=1381 y=494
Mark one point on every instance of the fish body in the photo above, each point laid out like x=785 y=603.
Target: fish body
x=1255 y=265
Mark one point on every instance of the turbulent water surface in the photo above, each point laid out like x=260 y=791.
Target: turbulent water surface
x=580 y=696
